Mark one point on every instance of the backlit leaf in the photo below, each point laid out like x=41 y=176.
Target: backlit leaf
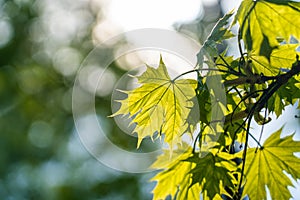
x=176 y=179
x=265 y=167
x=286 y=95
x=266 y=23
x=281 y=58
x=213 y=171
x=160 y=105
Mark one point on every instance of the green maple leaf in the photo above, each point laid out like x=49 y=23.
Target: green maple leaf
x=265 y=167
x=281 y=58
x=266 y=23
x=213 y=172
x=160 y=105
x=176 y=179
x=217 y=35
x=289 y=94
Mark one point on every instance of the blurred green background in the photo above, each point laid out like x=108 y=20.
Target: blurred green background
x=42 y=44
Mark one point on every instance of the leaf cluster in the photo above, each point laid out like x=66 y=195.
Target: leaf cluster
x=230 y=94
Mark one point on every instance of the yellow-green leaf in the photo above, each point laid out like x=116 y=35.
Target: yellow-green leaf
x=160 y=105
x=176 y=178
x=265 y=167
x=213 y=172
x=266 y=23
x=281 y=58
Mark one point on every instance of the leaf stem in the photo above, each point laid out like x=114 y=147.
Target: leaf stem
x=257 y=142
x=231 y=70
x=197 y=70
x=242 y=29
x=188 y=72
x=245 y=152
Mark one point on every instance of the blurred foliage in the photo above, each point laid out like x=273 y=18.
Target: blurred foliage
x=200 y=28
x=42 y=43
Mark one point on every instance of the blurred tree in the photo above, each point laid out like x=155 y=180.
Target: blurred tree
x=42 y=44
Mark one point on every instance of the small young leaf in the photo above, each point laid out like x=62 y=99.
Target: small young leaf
x=217 y=35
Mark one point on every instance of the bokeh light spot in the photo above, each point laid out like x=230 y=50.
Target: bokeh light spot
x=6 y=32
x=66 y=61
x=40 y=134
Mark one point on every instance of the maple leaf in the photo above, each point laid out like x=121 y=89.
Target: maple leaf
x=186 y=176
x=213 y=172
x=265 y=167
x=160 y=105
x=289 y=94
x=176 y=178
x=217 y=35
x=266 y=23
x=281 y=58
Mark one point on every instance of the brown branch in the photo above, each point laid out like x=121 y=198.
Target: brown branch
x=233 y=117
x=279 y=81
x=253 y=79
